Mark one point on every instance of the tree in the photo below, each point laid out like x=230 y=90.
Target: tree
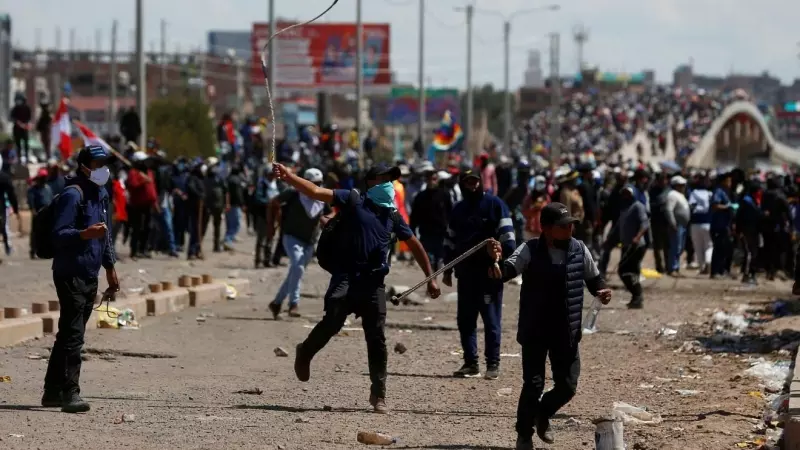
x=182 y=126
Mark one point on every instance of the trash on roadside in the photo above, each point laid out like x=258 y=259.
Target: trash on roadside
x=399 y=348
x=573 y=421
x=734 y=323
x=254 y=391
x=622 y=332
x=136 y=290
x=508 y=355
x=127 y=320
x=609 y=433
x=281 y=352
x=142 y=271
x=404 y=331
x=5 y=379
x=634 y=414
x=200 y=319
x=667 y=332
x=646 y=386
x=707 y=361
x=427 y=319
x=690 y=347
x=230 y=292
x=35 y=356
x=302 y=420
x=372 y=438
x=505 y=392
x=687 y=392
x=772 y=374
x=756 y=394
x=457 y=352
x=15 y=435
x=651 y=274
x=107 y=316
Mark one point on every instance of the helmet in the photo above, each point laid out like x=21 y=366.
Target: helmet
x=313 y=175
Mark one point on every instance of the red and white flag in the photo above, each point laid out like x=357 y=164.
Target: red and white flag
x=60 y=131
x=89 y=138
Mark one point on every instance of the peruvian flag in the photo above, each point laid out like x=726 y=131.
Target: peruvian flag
x=89 y=138
x=60 y=131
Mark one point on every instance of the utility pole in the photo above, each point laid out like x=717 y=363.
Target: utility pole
x=469 y=119
x=581 y=35
x=98 y=44
x=58 y=39
x=359 y=78
x=203 y=87
x=71 y=65
x=555 y=90
x=141 y=69
x=421 y=119
x=163 y=57
x=506 y=88
x=112 y=101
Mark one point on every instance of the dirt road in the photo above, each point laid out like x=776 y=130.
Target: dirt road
x=176 y=379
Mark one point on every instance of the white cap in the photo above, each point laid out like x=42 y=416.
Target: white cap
x=139 y=156
x=443 y=175
x=212 y=161
x=313 y=175
x=678 y=180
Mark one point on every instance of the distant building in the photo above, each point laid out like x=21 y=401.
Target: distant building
x=220 y=43
x=682 y=77
x=533 y=73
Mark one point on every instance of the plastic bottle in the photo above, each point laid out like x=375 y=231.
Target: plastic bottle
x=590 y=321
x=372 y=438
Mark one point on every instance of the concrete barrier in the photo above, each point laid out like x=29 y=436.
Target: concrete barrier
x=165 y=302
x=242 y=285
x=206 y=294
x=791 y=429
x=15 y=331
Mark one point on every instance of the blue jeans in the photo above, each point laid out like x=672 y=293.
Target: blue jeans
x=434 y=247
x=232 y=223
x=677 y=238
x=299 y=254
x=166 y=229
x=472 y=301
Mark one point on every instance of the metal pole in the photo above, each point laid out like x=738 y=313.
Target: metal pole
x=506 y=88
x=112 y=101
x=71 y=65
x=555 y=90
x=163 y=57
x=141 y=65
x=239 y=85
x=272 y=56
x=359 y=78
x=468 y=121
x=421 y=119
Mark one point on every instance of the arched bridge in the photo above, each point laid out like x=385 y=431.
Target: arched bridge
x=740 y=135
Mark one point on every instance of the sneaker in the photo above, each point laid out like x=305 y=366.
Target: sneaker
x=468 y=371
x=492 y=372
x=293 y=312
x=275 y=309
x=73 y=403
x=378 y=405
x=51 y=399
x=543 y=430
x=635 y=304
x=302 y=364
x=705 y=270
x=524 y=443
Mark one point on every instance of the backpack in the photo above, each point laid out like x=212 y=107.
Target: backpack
x=43 y=224
x=336 y=240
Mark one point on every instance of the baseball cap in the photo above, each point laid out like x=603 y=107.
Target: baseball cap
x=42 y=173
x=677 y=180
x=383 y=169
x=469 y=173
x=92 y=153
x=313 y=175
x=556 y=214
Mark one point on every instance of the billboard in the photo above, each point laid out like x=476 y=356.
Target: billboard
x=220 y=42
x=404 y=105
x=322 y=57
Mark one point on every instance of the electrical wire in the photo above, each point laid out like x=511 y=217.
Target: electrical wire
x=264 y=68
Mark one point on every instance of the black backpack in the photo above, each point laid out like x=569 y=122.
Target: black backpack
x=335 y=242
x=43 y=224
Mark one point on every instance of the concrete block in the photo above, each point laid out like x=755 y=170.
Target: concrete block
x=166 y=285
x=14 y=331
x=154 y=287
x=242 y=285
x=13 y=313
x=185 y=281
x=167 y=302
x=206 y=294
x=207 y=278
x=39 y=308
x=50 y=322
x=197 y=281
x=53 y=305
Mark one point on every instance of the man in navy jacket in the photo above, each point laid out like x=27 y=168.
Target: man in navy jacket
x=82 y=244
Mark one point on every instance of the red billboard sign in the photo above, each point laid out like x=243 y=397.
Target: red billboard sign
x=323 y=56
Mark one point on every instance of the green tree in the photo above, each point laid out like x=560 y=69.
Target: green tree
x=182 y=126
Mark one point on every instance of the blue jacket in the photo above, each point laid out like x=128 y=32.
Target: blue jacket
x=471 y=223
x=39 y=196
x=75 y=257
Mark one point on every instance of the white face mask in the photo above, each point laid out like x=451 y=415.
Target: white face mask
x=100 y=176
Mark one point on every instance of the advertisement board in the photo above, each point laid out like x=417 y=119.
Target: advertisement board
x=404 y=105
x=322 y=57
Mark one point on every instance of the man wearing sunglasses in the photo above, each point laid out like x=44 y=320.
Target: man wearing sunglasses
x=549 y=316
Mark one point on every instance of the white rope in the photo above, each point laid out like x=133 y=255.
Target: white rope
x=264 y=69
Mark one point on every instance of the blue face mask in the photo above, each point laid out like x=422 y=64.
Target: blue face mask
x=382 y=195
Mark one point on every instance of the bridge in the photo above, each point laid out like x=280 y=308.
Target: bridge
x=740 y=136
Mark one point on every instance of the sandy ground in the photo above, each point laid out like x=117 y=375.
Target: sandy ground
x=186 y=398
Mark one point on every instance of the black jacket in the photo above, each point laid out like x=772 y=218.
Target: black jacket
x=430 y=212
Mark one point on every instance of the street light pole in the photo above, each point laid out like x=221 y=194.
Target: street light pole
x=359 y=78
x=421 y=119
x=506 y=89
x=469 y=119
x=141 y=66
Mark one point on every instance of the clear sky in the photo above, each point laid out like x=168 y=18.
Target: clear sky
x=720 y=36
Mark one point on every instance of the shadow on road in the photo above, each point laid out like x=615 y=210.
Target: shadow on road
x=296 y=409
x=28 y=408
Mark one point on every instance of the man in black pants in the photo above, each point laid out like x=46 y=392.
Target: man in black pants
x=357 y=286
x=549 y=316
x=630 y=229
x=82 y=243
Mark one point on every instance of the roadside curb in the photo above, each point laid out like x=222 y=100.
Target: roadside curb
x=18 y=326
x=791 y=429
